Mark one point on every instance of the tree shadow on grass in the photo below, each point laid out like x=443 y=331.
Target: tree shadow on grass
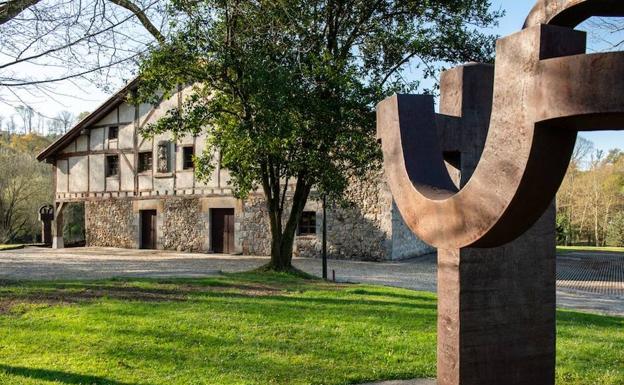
x=59 y=376
x=416 y=296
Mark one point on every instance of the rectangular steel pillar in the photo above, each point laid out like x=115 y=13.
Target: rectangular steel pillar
x=496 y=322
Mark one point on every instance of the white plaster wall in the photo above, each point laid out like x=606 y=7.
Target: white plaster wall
x=184 y=179
x=81 y=143
x=160 y=110
x=126 y=113
x=163 y=185
x=78 y=177
x=61 y=175
x=126 y=136
x=145 y=144
x=111 y=118
x=144 y=110
x=96 y=173
x=70 y=148
x=212 y=183
x=97 y=139
x=127 y=174
x=145 y=182
x=123 y=117
x=225 y=179
x=112 y=184
x=186 y=140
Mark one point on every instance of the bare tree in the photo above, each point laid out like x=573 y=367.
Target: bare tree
x=26 y=113
x=10 y=125
x=12 y=8
x=66 y=120
x=98 y=41
x=605 y=33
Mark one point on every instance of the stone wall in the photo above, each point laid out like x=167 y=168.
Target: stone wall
x=368 y=228
x=255 y=227
x=361 y=230
x=111 y=223
x=404 y=243
x=184 y=226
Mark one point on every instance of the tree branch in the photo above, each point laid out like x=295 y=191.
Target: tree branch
x=140 y=14
x=12 y=8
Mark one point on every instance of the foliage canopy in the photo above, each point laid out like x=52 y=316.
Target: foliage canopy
x=287 y=89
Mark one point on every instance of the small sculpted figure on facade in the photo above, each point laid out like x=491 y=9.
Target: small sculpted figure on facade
x=163 y=161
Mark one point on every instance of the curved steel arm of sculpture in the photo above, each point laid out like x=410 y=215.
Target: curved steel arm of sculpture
x=545 y=90
x=570 y=13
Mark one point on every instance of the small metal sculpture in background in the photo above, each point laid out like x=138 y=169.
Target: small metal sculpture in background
x=46 y=216
x=496 y=280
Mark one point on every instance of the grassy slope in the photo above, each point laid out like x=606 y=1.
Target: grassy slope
x=568 y=249
x=248 y=329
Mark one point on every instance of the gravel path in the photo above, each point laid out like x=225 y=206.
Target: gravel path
x=589 y=282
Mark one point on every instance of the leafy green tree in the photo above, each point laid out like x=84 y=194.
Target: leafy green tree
x=25 y=185
x=287 y=89
x=615 y=231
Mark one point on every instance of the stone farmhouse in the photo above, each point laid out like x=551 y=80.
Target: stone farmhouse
x=143 y=193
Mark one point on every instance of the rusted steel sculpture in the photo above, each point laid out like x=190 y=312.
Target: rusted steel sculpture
x=542 y=91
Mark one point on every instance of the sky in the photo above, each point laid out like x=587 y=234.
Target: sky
x=82 y=96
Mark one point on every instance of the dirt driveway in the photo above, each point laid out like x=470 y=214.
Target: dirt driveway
x=590 y=282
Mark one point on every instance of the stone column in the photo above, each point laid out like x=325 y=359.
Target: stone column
x=57 y=227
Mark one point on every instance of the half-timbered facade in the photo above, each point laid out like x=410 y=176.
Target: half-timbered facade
x=143 y=193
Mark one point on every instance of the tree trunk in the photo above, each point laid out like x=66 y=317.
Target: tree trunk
x=283 y=237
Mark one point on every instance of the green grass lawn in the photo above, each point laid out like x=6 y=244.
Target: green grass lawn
x=249 y=329
x=568 y=249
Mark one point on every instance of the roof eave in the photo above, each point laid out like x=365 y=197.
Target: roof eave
x=48 y=154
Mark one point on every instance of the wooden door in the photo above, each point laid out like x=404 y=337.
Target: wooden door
x=148 y=229
x=223 y=231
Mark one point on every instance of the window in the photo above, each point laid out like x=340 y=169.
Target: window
x=113 y=132
x=187 y=158
x=112 y=165
x=307 y=224
x=145 y=161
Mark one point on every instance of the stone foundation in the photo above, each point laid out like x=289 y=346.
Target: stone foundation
x=255 y=228
x=111 y=224
x=370 y=228
x=184 y=226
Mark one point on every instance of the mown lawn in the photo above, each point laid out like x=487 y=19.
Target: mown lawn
x=568 y=249
x=248 y=329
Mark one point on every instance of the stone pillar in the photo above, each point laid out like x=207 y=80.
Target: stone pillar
x=46 y=216
x=497 y=311
x=57 y=227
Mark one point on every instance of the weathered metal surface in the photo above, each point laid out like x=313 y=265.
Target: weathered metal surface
x=570 y=13
x=545 y=90
x=493 y=223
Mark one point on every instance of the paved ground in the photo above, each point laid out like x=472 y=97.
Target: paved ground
x=590 y=282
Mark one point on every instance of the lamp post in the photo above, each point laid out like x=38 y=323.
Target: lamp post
x=324 y=237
